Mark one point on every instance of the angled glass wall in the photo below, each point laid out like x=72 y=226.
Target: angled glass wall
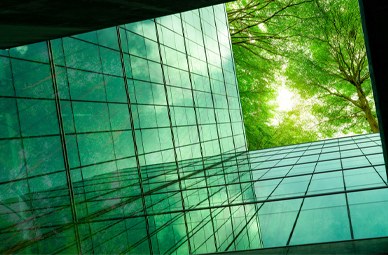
x=93 y=124
x=326 y=191
x=130 y=140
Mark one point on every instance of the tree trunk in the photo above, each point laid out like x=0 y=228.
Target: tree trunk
x=368 y=112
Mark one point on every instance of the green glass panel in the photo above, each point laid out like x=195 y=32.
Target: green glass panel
x=6 y=88
x=369 y=205
x=162 y=116
x=95 y=148
x=328 y=166
x=322 y=219
x=139 y=142
x=152 y=50
x=136 y=45
x=108 y=37
x=43 y=155
x=115 y=89
x=119 y=116
x=264 y=188
x=150 y=140
x=136 y=27
x=149 y=29
x=123 y=143
x=355 y=162
x=58 y=54
x=307 y=159
x=32 y=79
x=351 y=153
x=111 y=62
x=362 y=178
x=143 y=92
x=326 y=182
x=290 y=187
x=37 y=52
x=91 y=117
x=89 y=37
x=128 y=68
x=327 y=156
x=72 y=151
x=159 y=94
x=140 y=69
x=147 y=116
x=156 y=74
x=86 y=85
x=165 y=138
x=276 y=221
x=302 y=169
x=38 y=117
x=11 y=160
x=9 y=122
x=49 y=182
x=82 y=55
x=275 y=172
x=376 y=159
x=67 y=117
x=62 y=82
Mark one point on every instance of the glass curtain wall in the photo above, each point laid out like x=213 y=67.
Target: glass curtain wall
x=101 y=133
x=130 y=140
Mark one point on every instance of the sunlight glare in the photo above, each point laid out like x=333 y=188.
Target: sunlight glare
x=284 y=99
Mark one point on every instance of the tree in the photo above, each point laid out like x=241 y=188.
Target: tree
x=328 y=63
x=257 y=31
x=258 y=25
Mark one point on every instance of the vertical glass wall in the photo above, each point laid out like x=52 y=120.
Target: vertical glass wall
x=130 y=140
x=101 y=132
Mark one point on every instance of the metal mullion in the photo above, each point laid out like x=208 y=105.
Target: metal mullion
x=303 y=199
x=134 y=139
x=240 y=204
x=88 y=71
x=24 y=97
x=100 y=230
x=64 y=145
x=236 y=81
x=94 y=215
x=371 y=162
x=90 y=101
x=215 y=116
x=172 y=136
x=230 y=119
x=235 y=238
x=113 y=141
x=199 y=133
x=75 y=137
x=346 y=197
x=172 y=220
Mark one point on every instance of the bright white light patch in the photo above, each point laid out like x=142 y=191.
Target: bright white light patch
x=284 y=99
x=262 y=27
x=285 y=102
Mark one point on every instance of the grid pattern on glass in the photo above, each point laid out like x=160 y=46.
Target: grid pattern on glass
x=96 y=126
x=130 y=140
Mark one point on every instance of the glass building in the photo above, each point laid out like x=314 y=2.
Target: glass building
x=130 y=140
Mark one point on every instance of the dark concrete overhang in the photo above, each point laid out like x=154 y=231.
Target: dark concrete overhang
x=29 y=21
x=374 y=20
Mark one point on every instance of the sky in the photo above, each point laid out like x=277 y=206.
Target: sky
x=285 y=101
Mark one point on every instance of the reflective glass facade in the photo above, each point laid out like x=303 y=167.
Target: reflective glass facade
x=130 y=140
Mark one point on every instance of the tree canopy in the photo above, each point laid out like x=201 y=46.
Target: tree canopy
x=318 y=48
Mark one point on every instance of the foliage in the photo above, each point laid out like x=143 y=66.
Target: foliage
x=329 y=64
x=256 y=35
x=320 y=45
